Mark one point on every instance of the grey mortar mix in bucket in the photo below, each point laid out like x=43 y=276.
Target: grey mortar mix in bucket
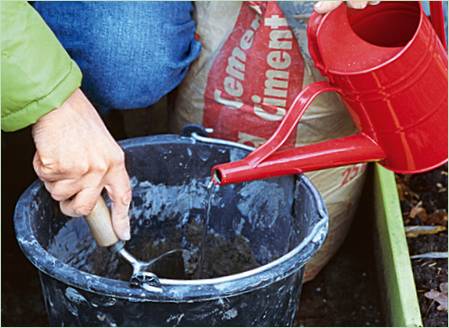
x=259 y=236
x=100 y=224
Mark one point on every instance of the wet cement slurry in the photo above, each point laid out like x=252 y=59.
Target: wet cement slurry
x=217 y=256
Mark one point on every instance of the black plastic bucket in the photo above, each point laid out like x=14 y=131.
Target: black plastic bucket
x=259 y=238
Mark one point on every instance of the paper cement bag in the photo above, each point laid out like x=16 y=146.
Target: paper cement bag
x=250 y=59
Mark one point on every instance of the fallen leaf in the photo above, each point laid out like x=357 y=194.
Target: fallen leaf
x=415 y=231
x=438 y=217
x=439 y=296
x=418 y=211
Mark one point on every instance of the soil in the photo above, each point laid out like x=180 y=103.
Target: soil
x=424 y=203
x=346 y=292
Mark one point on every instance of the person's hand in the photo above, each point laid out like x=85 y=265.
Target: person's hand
x=76 y=158
x=323 y=7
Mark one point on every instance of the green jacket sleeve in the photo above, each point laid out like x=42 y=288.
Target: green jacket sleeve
x=37 y=74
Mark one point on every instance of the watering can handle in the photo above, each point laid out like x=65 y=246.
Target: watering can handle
x=312 y=30
x=266 y=161
x=100 y=224
x=437 y=19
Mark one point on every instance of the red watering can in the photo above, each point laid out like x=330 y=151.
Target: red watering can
x=390 y=68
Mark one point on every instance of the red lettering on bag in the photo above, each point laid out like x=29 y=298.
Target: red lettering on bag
x=254 y=78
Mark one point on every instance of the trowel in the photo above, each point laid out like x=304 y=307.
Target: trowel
x=145 y=274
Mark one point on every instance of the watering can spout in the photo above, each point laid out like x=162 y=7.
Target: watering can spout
x=267 y=161
x=344 y=151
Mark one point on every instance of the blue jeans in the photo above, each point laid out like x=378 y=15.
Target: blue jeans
x=131 y=53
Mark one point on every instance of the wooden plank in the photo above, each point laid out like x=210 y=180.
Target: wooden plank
x=401 y=299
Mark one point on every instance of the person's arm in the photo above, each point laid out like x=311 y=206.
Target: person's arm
x=76 y=157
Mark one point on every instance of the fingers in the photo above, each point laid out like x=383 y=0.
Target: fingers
x=84 y=199
x=323 y=7
x=51 y=171
x=79 y=191
x=119 y=190
x=64 y=189
x=37 y=165
x=357 y=4
x=82 y=204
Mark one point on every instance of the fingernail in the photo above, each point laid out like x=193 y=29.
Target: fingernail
x=318 y=5
x=124 y=229
x=127 y=234
x=374 y=3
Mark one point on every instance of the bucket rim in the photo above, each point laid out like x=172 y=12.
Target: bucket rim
x=172 y=290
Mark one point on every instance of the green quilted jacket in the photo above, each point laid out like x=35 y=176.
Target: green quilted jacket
x=37 y=73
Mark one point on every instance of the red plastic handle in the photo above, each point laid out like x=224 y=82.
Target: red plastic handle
x=290 y=121
x=266 y=162
x=437 y=19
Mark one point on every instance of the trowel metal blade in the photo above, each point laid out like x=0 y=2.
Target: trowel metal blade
x=151 y=288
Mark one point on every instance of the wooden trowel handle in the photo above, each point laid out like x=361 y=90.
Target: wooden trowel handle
x=100 y=224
